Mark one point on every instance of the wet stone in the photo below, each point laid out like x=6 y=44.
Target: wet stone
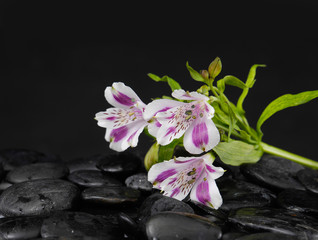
x=13 y=158
x=110 y=195
x=237 y=194
x=88 y=163
x=36 y=171
x=170 y=225
x=139 y=181
x=128 y=226
x=78 y=225
x=92 y=178
x=38 y=197
x=309 y=178
x=20 y=227
x=157 y=203
x=123 y=164
x=267 y=236
x=298 y=200
x=273 y=220
x=274 y=172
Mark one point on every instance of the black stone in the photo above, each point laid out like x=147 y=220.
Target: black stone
x=78 y=225
x=267 y=236
x=128 y=225
x=170 y=225
x=38 y=197
x=4 y=185
x=110 y=195
x=120 y=164
x=274 y=172
x=139 y=181
x=20 y=227
x=92 y=178
x=237 y=194
x=13 y=158
x=157 y=203
x=273 y=220
x=232 y=235
x=46 y=170
x=309 y=178
x=298 y=200
x=87 y=163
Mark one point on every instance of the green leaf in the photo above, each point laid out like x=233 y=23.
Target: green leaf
x=282 y=102
x=237 y=152
x=154 y=77
x=233 y=81
x=251 y=75
x=249 y=84
x=174 y=85
x=166 y=152
x=151 y=157
x=194 y=74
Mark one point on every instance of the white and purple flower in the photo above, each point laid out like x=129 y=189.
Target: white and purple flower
x=125 y=121
x=180 y=176
x=171 y=119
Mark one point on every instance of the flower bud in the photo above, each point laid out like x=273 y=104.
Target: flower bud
x=215 y=68
x=204 y=74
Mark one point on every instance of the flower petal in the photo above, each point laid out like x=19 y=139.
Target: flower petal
x=201 y=136
x=205 y=191
x=153 y=127
x=175 y=122
x=183 y=95
x=214 y=172
x=121 y=96
x=118 y=117
x=160 y=105
x=176 y=177
x=126 y=136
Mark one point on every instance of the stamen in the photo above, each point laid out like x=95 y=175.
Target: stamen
x=188 y=112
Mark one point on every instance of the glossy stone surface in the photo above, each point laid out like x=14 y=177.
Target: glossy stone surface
x=20 y=227
x=38 y=197
x=139 y=181
x=121 y=163
x=238 y=194
x=170 y=225
x=110 y=195
x=157 y=203
x=36 y=171
x=92 y=178
x=274 y=172
x=309 y=179
x=300 y=201
x=12 y=158
x=273 y=220
x=69 y=225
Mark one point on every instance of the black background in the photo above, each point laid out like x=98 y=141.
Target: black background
x=58 y=57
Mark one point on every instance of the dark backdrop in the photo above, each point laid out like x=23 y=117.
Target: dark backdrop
x=58 y=57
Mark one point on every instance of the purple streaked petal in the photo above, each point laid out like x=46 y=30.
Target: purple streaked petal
x=118 y=117
x=205 y=191
x=166 y=174
x=122 y=96
x=127 y=136
x=160 y=105
x=119 y=133
x=123 y=99
x=176 y=174
x=201 y=136
x=209 y=168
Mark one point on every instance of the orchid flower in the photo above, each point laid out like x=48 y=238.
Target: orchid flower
x=173 y=118
x=124 y=122
x=180 y=176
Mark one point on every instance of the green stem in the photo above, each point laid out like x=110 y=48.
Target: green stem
x=291 y=156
